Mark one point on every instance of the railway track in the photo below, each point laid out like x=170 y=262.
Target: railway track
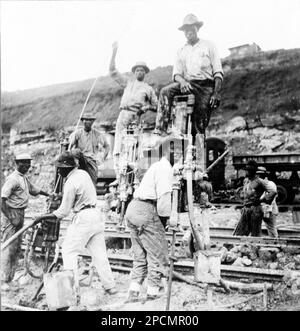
x=219 y=238
x=227 y=271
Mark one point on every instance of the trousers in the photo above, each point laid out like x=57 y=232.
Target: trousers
x=149 y=244
x=87 y=231
x=250 y=222
x=202 y=111
x=10 y=256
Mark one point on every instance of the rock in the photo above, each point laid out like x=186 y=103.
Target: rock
x=297 y=259
x=231 y=257
x=291 y=250
x=24 y=280
x=246 y=262
x=238 y=262
x=249 y=251
x=290 y=266
x=224 y=251
x=236 y=124
x=267 y=253
x=273 y=266
x=91 y=299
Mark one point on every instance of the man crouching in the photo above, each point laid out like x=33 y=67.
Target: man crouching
x=152 y=200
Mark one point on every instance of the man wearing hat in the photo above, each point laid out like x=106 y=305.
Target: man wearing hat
x=14 y=200
x=152 y=200
x=85 y=143
x=256 y=191
x=197 y=70
x=270 y=211
x=138 y=97
x=87 y=228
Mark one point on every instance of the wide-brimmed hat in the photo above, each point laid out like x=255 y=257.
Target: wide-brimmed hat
x=190 y=19
x=65 y=160
x=88 y=116
x=23 y=156
x=262 y=170
x=140 y=64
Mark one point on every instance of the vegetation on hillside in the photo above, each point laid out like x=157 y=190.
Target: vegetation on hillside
x=254 y=87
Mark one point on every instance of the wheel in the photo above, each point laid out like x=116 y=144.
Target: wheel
x=282 y=195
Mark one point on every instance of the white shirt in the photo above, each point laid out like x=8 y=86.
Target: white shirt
x=79 y=191
x=157 y=185
x=198 y=62
x=156 y=181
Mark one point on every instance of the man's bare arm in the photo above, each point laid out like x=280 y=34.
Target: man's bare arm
x=215 y=99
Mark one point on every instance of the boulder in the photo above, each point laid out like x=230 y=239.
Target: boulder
x=231 y=257
x=238 y=123
x=273 y=266
x=246 y=262
x=238 y=262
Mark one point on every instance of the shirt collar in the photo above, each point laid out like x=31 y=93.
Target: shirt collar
x=19 y=173
x=198 y=42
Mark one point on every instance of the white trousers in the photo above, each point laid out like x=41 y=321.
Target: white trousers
x=87 y=230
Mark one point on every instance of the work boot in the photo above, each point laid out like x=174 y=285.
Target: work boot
x=133 y=296
x=111 y=291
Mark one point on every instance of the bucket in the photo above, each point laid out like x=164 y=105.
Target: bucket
x=59 y=289
x=207 y=266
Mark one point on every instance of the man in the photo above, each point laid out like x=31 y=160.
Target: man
x=270 y=211
x=14 y=200
x=252 y=213
x=138 y=97
x=85 y=143
x=205 y=190
x=152 y=200
x=87 y=228
x=197 y=70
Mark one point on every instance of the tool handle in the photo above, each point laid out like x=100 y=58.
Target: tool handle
x=17 y=234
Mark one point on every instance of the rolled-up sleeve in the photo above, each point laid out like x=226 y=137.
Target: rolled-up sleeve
x=33 y=190
x=67 y=203
x=8 y=188
x=215 y=62
x=178 y=68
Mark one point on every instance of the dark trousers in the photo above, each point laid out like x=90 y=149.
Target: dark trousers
x=149 y=244
x=202 y=111
x=10 y=255
x=250 y=222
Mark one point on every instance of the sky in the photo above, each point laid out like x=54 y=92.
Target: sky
x=50 y=42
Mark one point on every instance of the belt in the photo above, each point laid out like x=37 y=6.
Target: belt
x=87 y=207
x=152 y=202
x=251 y=204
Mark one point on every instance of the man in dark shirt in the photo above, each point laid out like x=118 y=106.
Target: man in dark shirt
x=252 y=213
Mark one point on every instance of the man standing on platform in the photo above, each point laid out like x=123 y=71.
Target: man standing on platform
x=198 y=71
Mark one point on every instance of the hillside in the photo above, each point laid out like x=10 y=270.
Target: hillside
x=263 y=88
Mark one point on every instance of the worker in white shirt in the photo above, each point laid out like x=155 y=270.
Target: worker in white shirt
x=198 y=71
x=152 y=199
x=270 y=210
x=14 y=200
x=87 y=228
